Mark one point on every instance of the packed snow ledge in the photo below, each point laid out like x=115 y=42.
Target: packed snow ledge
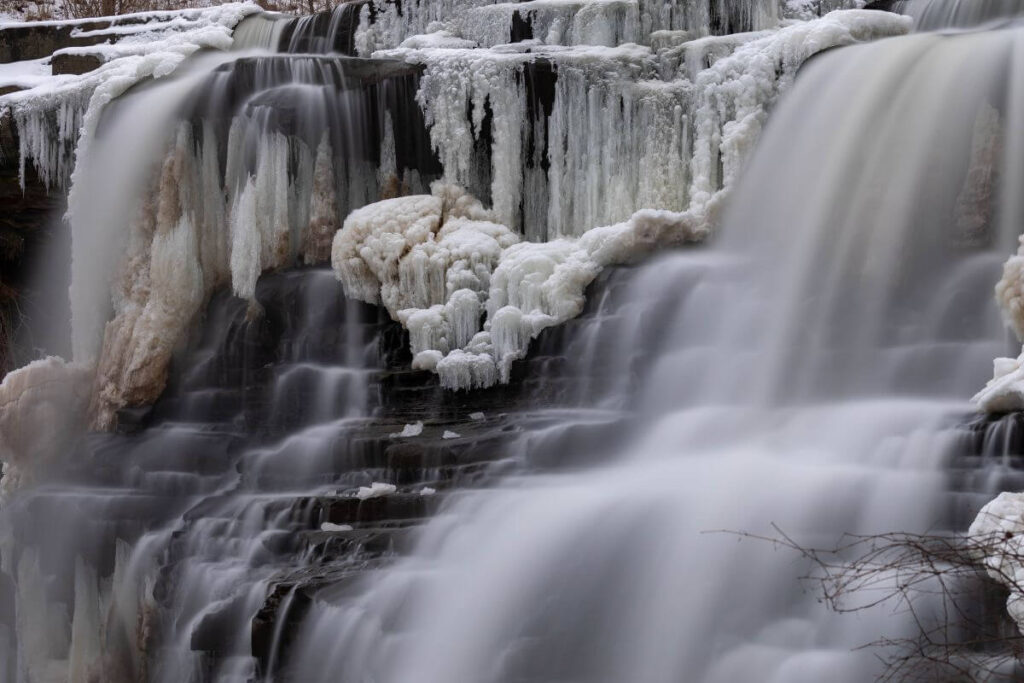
x=56 y=115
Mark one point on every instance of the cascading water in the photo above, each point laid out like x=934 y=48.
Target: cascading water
x=252 y=517
x=794 y=379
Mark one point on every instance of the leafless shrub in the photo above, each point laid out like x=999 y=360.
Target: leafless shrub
x=941 y=582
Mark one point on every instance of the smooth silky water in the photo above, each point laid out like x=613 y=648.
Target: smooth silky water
x=805 y=373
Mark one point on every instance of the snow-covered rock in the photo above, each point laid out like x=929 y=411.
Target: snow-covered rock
x=1004 y=393
x=997 y=538
x=57 y=117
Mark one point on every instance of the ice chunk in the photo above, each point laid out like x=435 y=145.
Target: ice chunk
x=329 y=526
x=375 y=490
x=448 y=434
x=1004 y=393
x=414 y=429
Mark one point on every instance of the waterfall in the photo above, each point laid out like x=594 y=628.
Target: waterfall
x=795 y=380
x=697 y=278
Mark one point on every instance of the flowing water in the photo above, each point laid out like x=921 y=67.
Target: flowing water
x=806 y=372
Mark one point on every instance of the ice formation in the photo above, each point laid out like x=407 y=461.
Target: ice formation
x=642 y=140
x=471 y=293
x=1010 y=291
x=375 y=490
x=42 y=405
x=997 y=535
x=56 y=118
x=1004 y=393
x=563 y=22
x=623 y=128
x=414 y=429
x=329 y=526
x=449 y=434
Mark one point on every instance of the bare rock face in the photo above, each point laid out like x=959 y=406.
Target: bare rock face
x=75 y=63
x=26 y=213
x=37 y=40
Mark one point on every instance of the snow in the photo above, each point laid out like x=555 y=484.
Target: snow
x=375 y=490
x=427 y=491
x=997 y=535
x=448 y=434
x=414 y=429
x=57 y=116
x=27 y=74
x=329 y=526
x=476 y=416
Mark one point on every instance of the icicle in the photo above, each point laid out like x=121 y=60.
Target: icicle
x=245 y=243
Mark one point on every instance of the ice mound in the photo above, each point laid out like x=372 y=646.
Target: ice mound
x=42 y=406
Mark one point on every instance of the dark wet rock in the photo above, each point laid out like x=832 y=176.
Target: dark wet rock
x=75 y=63
x=27 y=224
x=884 y=6
x=42 y=39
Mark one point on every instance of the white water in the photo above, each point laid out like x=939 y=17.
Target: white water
x=805 y=377
x=804 y=372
